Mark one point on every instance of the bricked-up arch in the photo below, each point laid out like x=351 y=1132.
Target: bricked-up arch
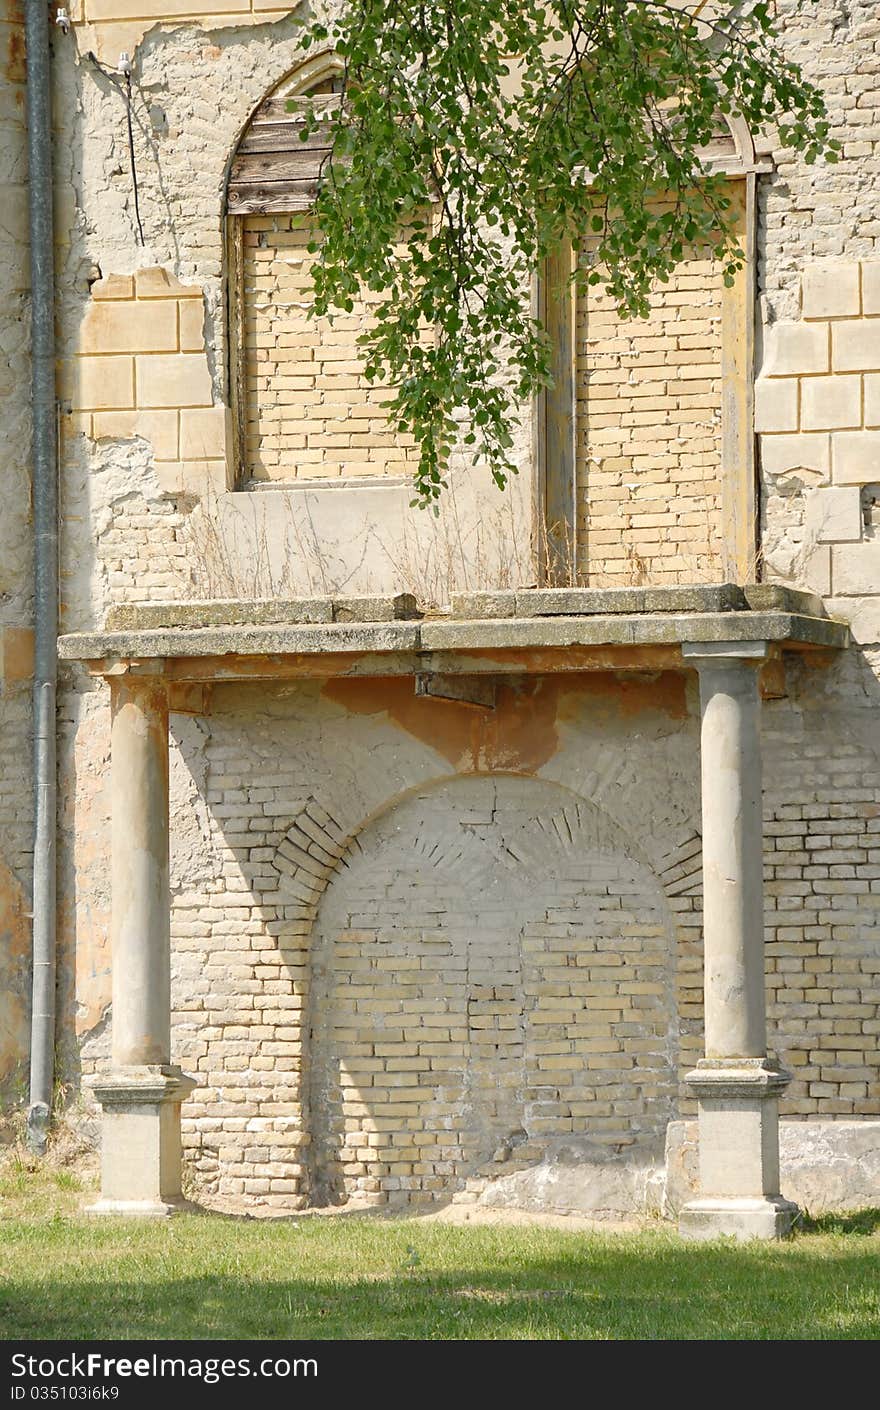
x=492 y=973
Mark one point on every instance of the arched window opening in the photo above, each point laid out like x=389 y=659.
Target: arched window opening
x=303 y=410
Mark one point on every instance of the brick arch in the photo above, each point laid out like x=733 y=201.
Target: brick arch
x=316 y=842
x=482 y=867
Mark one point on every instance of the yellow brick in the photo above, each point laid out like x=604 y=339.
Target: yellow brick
x=111 y=327
x=180 y=379
x=102 y=382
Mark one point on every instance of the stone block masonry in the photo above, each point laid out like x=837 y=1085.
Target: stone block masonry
x=141 y=371
x=817 y=407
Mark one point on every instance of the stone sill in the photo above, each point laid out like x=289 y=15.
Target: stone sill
x=529 y=631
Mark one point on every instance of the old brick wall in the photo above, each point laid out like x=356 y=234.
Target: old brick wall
x=309 y=411
x=346 y=887
x=271 y=850
x=648 y=425
x=491 y=973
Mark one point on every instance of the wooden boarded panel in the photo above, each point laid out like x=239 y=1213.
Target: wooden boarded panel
x=267 y=197
x=259 y=167
x=274 y=168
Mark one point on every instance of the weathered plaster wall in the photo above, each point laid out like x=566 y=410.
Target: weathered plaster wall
x=16 y=641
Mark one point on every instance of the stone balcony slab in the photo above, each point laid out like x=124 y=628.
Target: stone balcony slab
x=565 y=629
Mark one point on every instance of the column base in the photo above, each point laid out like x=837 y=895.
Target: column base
x=768 y=1218
x=739 y=1151
x=139 y=1209
x=140 y=1145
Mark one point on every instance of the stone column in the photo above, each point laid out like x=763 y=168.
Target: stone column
x=737 y=1082
x=141 y=1155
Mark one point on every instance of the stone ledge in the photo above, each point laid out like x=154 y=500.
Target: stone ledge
x=228 y=612
x=631 y=630
x=601 y=602
x=392 y=640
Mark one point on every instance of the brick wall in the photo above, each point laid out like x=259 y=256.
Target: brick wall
x=822 y=911
x=491 y=974
x=309 y=410
x=494 y=966
x=648 y=414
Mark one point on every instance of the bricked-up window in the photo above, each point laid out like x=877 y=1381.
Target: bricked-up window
x=648 y=465
x=303 y=408
x=648 y=401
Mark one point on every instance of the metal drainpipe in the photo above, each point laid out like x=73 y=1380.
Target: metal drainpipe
x=45 y=518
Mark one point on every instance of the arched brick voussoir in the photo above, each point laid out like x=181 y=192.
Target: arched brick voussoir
x=308 y=854
x=649 y=787
x=321 y=836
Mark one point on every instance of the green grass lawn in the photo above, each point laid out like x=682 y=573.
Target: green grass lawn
x=65 y=1276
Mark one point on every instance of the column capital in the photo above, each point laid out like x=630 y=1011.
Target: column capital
x=737 y=1077
x=705 y=654
x=142 y=1086
x=135 y=685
